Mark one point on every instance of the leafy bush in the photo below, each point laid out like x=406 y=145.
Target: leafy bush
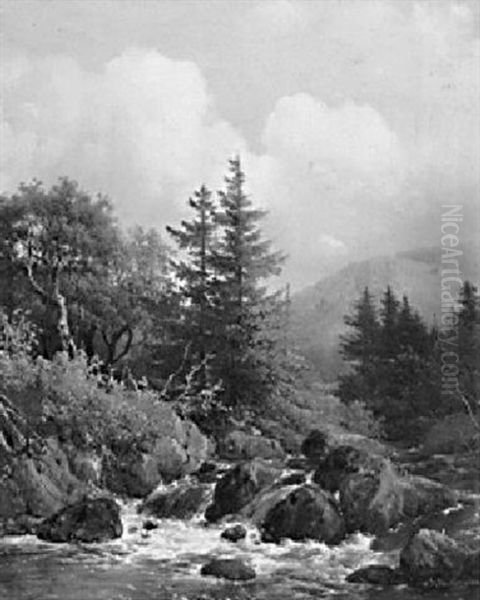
x=316 y=407
x=453 y=434
x=64 y=395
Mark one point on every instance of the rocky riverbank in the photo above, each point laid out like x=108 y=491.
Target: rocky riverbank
x=422 y=532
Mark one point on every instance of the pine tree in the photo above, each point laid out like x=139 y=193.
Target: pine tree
x=469 y=343
x=194 y=273
x=360 y=349
x=389 y=314
x=243 y=262
x=393 y=367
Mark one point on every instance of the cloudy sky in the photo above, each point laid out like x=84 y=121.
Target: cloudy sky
x=355 y=119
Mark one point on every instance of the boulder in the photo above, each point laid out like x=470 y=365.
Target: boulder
x=257 y=510
x=422 y=496
x=177 y=502
x=134 y=474
x=307 y=512
x=35 y=478
x=431 y=557
x=89 y=520
x=182 y=452
x=377 y=575
x=374 y=500
x=340 y=462
x=239 y=486
x=36 y=483
x=314 y=446
x=234 y=534
x=239 y=445
x=228 y=568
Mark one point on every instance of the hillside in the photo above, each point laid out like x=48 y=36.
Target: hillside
x=318 y=310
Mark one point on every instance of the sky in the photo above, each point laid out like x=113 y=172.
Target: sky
x=356 y=120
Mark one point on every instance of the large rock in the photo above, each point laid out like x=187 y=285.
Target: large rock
x=256 y=511
x=239 y=445
x=314 y=446
x=239 y=486
x=422 y=496
x=307 y=512
x=133 y=474
x=228 y=568
x=376 y=575
x=35 y=478
x=180 y=502
x=375 y=500
x=178 y=451
x=430 y=557
x=340 y=462
x=182 y=452
x=89 y=520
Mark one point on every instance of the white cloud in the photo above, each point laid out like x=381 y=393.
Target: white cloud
x=142 y=130
x=364 y=115
x=332 y=139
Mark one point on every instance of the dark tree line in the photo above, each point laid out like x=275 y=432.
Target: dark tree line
x=395 y=362
x=198 y=321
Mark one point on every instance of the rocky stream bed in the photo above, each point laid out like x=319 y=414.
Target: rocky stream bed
x=337 y=521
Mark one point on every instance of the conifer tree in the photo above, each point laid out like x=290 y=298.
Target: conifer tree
x=243 y=262
x=360 y=348
x=469 y=343
x=389 y=314
x=194 y=273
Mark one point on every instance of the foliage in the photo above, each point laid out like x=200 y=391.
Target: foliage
x=64 y=397
x=469 y=344
x=54 y=241
x=393 y=368
x=453 y=434
x=232 y=325
x=316 y=406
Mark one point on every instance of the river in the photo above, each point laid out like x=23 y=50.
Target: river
x=165 y=565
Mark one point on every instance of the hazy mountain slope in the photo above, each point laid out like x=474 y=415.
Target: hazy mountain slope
x=318 y=310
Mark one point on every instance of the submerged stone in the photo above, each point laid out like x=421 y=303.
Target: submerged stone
x=234 y=534
x=376 y=575
x=228 y=568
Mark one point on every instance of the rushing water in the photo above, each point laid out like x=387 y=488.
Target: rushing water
x=165 y=565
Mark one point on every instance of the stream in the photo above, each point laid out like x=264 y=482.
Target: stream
x=165 y=565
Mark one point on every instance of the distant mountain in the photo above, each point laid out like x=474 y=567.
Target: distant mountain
x=318 y=310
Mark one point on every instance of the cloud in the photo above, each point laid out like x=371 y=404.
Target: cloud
x=143 y=130
x=355 y=120
x=332 y=140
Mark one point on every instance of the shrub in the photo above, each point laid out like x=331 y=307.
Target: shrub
x=453 y=434
x=66 y=395
x=316 y=407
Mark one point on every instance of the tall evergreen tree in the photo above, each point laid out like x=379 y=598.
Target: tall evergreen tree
x=243 y=262
x=389 y=314
x=469 y=343
x=360 y=349
x=195 y=274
